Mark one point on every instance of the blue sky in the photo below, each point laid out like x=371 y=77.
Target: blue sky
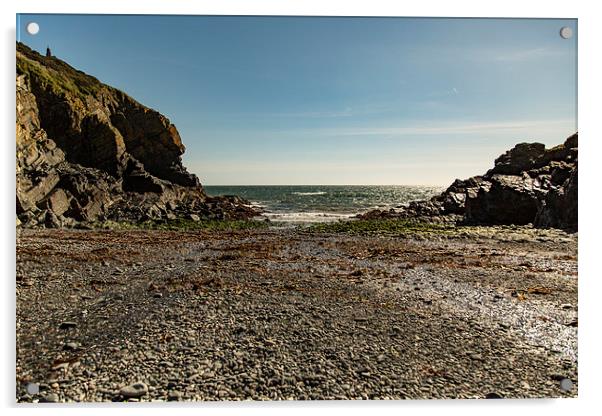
x=293 y=100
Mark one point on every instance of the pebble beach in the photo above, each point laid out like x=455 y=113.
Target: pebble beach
x=292 y=314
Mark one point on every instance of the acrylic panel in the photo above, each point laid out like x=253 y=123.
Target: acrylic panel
x=366 y=208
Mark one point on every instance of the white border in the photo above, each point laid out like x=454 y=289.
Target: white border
x=590 y=153
x=429 y=8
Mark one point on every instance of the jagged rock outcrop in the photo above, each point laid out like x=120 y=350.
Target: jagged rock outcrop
x=521 y=188
x=87 y=152
x=528 y=184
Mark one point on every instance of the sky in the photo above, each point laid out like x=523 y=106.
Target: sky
x=317 y=100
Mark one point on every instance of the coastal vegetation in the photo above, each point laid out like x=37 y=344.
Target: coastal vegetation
x=382 y=226
x=182 y=224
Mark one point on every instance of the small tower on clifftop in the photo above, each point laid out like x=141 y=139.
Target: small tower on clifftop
x=48 y=53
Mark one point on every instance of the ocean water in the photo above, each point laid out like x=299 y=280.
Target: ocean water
x=322 y=203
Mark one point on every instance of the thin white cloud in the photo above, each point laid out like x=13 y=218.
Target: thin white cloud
x=443 y=93
x=346 y=112
x=349 y=111
x=428 y=128
x=527 y=54
x=434 y=163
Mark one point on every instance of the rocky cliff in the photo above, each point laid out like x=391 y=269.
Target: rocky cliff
x=528 y=184
x=88 y=152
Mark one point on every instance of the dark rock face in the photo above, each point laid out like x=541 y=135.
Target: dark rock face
x=96 y=125
x=528 y=184
x=87 y=152
x=540 y=191
x=504 y=199
x=522 y=157
x=559 y=209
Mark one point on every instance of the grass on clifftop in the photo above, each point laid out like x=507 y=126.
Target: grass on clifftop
x=184 y=225
x=55 y=75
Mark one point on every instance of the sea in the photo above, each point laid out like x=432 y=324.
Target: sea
x=324 y=203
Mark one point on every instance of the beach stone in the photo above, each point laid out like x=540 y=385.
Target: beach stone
x=134 y=390
x=50 y=398
x=174 y=396
x=33 y=388
x=566 y=384
x=70 y=346
x=67 y=325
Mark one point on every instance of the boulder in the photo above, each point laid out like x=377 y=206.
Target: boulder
x=453 y=199
x=59 y=201
x=31 y=189
x=51 y=220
